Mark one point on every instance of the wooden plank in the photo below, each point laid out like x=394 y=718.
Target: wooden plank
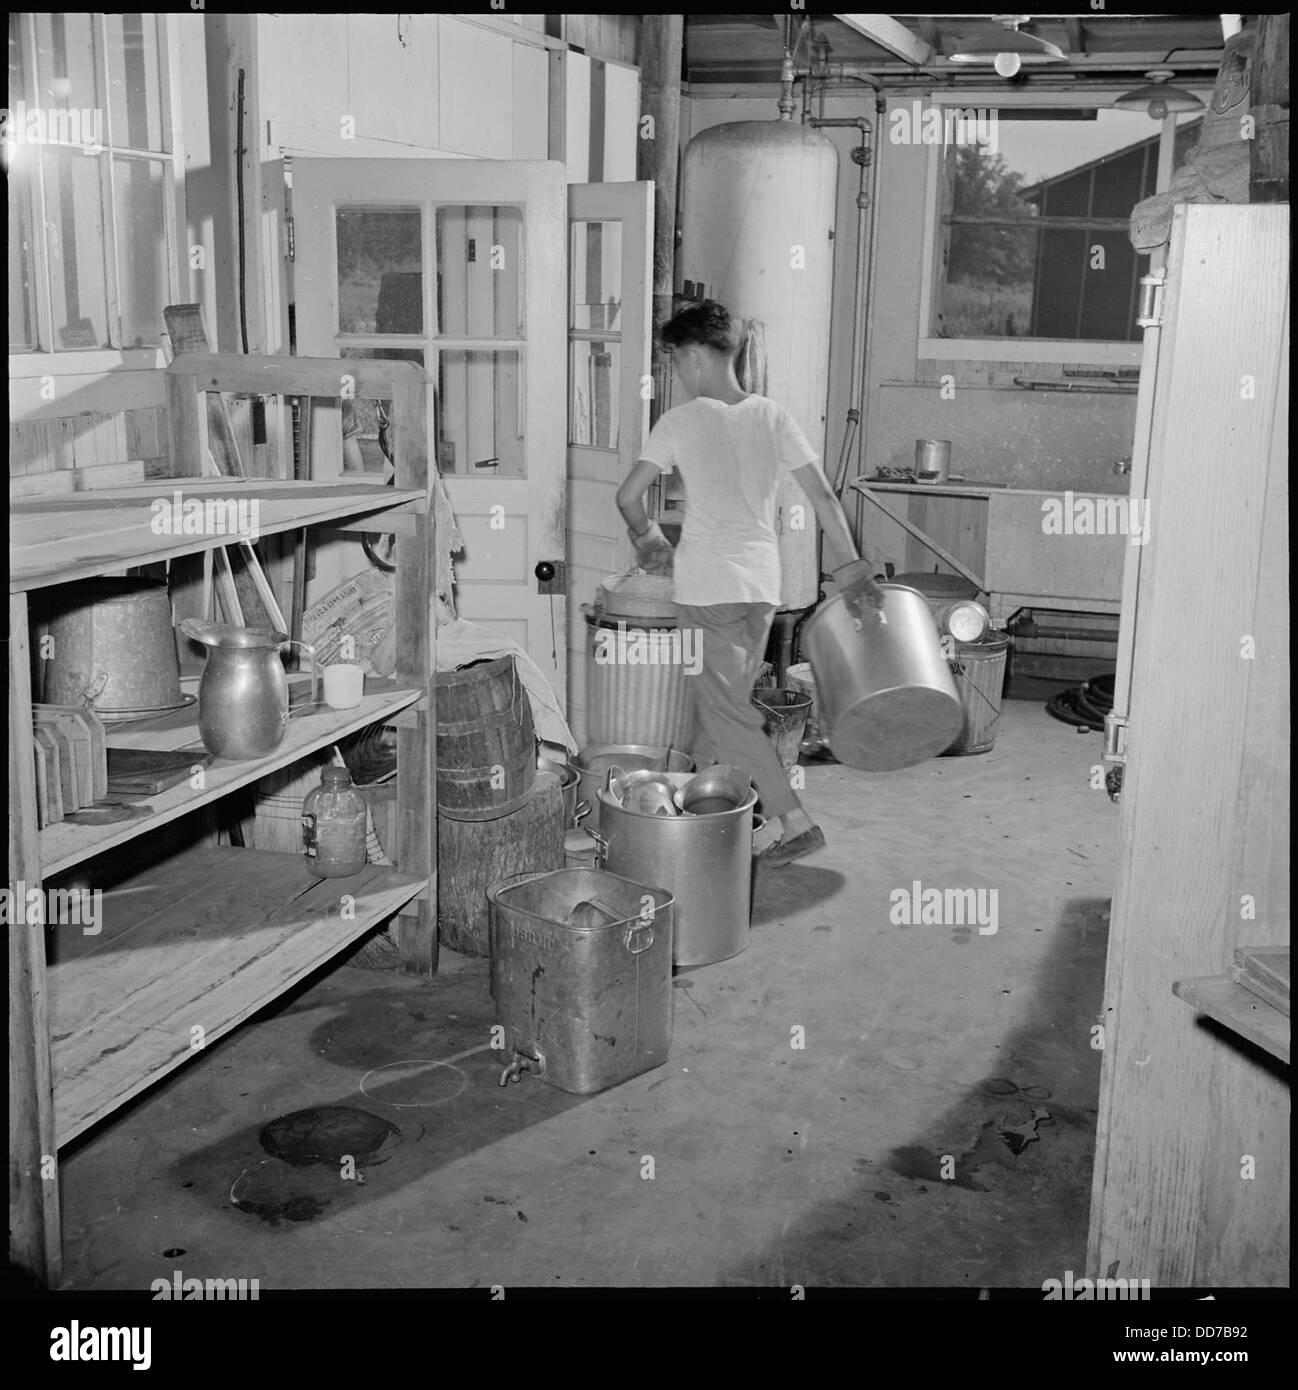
x=57 y=539
x=62 y=846
x=183 y=426
x=1239 y=1009
x=415 y=929
x=1178 y=1109
x=906 y=524
x=296 y=376
x=212 y=938
x=33 y=1195
x=1265 y=971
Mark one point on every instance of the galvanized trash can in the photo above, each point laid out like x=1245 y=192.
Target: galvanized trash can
x=581 y=972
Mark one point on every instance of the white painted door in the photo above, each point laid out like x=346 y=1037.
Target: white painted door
x=610 y=282
x=459 y=266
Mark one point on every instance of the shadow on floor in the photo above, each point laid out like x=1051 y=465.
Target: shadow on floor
x=1020 y=1143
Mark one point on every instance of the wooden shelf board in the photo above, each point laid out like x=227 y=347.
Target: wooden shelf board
x=201 y=941
x=56 y=539
x=1239 y=1009
x=66 y=844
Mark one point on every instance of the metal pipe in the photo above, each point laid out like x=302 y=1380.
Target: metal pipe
x=858 y=307
x=880 y=110
x=661 y=39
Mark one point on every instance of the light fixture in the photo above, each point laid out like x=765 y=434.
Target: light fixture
x=1007 y=51
x=1156 y=98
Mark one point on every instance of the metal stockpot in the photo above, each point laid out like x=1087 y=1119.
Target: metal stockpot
x=594 y=761
x=705 y=861
x=885 y=696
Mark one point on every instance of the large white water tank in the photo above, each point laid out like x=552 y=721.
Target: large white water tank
x=757 y=226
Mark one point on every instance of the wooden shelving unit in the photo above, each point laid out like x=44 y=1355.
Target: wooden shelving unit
x=192 y=947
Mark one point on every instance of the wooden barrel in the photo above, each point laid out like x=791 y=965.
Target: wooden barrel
x=472 y=855
x=486 y=742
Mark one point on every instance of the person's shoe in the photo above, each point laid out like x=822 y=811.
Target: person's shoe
x=792 y=847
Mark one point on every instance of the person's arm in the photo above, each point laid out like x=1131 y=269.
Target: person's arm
x=653 y=551
x=853 y=575
x=829 y=512
x=630 y=496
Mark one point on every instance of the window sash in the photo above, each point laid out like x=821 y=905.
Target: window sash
x=1079 y=351
x=46 y=347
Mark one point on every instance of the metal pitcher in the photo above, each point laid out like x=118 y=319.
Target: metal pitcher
x=243 y=694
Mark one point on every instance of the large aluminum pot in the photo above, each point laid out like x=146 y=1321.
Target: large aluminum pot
x=594 y=761
x=705 y=861
x=884 y=692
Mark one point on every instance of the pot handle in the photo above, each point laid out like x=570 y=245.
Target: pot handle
x=601 y=845
x=632 y=932
x=580 y=814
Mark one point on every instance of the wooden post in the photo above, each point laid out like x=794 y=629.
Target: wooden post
x=415 y=928
x=657 y=157
x=1268 y=151
x=33 y=1183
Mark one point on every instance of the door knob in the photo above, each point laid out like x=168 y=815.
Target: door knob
x=544 y=570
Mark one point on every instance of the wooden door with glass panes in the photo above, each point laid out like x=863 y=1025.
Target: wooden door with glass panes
x=610 y=282
x=458 y=266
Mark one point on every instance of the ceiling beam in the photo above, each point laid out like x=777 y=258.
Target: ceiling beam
x=1073 y=28
x=883 y=30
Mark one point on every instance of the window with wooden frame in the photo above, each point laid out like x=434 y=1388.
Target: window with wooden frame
x=1027 y=252
x=90 y=162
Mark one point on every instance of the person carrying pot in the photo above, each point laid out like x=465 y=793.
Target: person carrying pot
x=732 y=449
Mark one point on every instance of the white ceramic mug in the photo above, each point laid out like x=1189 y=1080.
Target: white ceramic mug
x=344 y=684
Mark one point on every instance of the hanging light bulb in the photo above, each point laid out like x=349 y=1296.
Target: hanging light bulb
x=1007 y=64
x=1157 y=97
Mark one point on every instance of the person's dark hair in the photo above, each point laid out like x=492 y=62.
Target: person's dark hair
x=707 y=323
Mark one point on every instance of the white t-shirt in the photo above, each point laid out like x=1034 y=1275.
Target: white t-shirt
x=732 y=459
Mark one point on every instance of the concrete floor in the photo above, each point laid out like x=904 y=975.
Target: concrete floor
x=771 y=1165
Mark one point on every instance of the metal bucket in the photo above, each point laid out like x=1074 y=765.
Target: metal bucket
x=706 y=861
x=581 y=966
x=114 y=647
x=594 y=761
x=884 y=693
x=785 y=713
x=979 y=670
x=567 y=776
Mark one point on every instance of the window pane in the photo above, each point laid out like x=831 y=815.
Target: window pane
x=75 y=249
x=479 y=271
x=1004 y=280
x=988 y=287
x=22 y=282
x=143 y=261
x=135 y=98
x=595 y=275
x=380 y=270
x=65 y=74
x=593 y=372
x=364 y=421
x=479 y=415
